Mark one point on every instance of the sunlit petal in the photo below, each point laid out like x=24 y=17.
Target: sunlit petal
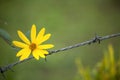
x=23 y=37
x=19 y=44
x=44 y=51
x=41 y=55
x=46 y=46
x=24 y=53
x=40 y=36
x=21 y=52
x=33 y=33
x=36 y=54
x=46 y=37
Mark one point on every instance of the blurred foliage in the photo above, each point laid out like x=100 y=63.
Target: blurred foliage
x=107 y=69
x=5 y=36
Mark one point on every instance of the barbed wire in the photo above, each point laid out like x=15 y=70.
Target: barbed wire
x=93 y=40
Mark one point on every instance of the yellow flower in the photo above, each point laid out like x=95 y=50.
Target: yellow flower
x=34 y=46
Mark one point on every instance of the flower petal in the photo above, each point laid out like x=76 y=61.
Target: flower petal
x=19 y=44
x=33 y=33
x=46 y=37
x=24 y=53
x=46 y=46
x=40 y=36
x=23 y=37
x=44 y=51
x=20 y=53
x=36 y=54
x=41 y=55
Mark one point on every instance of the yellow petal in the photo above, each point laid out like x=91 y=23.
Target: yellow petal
x=33 y=33
x=24 y=53
x=44 y=51
x=46 y=46
x=46 y=37
x=19 y=44
x=40 y=36
x=23 y=37
x=36 y=54
x=21 y=52
x=41 y=55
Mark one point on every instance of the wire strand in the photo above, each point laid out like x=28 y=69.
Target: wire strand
x=93 y=40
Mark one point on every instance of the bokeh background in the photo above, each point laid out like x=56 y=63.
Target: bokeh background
x=69 y=22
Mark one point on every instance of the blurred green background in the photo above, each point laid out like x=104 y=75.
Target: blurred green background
x=69 y=22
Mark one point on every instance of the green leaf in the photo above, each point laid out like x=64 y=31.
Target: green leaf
x=6 y=37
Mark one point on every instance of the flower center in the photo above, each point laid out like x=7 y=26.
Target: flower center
x=32 y=46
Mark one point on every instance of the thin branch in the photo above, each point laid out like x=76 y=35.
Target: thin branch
x=93 y=40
